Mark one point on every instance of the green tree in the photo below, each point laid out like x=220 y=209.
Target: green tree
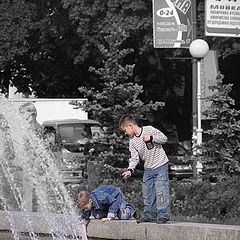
x=95 y=19
x=47 y=67
x=16 y=18
x=225 y=130
x=118 y=95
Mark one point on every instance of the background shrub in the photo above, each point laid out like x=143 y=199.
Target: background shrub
x=203 y=201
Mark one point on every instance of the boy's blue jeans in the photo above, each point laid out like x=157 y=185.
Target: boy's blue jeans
x=124 y=213
x=156 y=193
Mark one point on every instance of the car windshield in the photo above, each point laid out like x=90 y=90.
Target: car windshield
x=78 y=133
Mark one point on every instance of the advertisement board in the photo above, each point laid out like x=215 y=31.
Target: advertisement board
x=172 y=23
x=222 y=18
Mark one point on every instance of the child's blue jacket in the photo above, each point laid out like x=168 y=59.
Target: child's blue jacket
x=106 y=198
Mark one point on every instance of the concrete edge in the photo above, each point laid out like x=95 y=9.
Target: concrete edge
x=117 y=229
x=130 y=230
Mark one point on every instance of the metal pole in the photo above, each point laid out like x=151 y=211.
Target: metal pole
x=199 y=114
x=199 y=130
x=194 y=80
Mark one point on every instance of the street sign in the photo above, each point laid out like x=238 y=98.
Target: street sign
x=222 y=18
x=172 y=23
x=208 y=75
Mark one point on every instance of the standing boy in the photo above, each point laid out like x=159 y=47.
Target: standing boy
x=104 y=203
x=146 y=143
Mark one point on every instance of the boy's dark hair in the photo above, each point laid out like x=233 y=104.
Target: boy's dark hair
x=125 y=120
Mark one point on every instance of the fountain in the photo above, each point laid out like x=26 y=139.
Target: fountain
x=30 y=180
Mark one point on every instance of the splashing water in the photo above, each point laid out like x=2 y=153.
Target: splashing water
x=26 y=162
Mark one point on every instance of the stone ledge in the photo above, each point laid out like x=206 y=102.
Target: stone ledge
x=170 y=231
x=119 y=229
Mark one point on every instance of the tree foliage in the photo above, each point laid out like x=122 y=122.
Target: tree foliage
x=225 y=130
x=16 y=19
x=48 y=46
x=47 y=67
x=118 y=95
x=95 y=19
x=50 y=50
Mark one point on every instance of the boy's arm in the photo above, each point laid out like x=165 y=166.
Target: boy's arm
x=85 y=217
x=84 y=229
x=113 y=206
x=157 y=136
x=133 y=161
x=134 y=157
x=84 y=220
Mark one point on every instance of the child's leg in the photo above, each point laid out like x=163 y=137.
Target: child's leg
x=162 y=193
x=149 y=196
x=125 y=213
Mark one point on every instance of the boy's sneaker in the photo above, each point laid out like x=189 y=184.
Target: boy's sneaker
x=136 y=215
x=161 y=220
x=143 y=220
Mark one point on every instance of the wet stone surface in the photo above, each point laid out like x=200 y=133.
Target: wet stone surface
x=7 y=235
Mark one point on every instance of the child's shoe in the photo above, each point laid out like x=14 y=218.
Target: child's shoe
x=161 y=220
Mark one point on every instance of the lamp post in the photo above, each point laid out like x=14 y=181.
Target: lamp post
x=198 y=49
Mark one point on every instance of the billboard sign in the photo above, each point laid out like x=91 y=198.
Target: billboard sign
x=222 y=18
x=172 y=23
x=208 y=75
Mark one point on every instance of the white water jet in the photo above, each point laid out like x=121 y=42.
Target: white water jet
x=29 y=169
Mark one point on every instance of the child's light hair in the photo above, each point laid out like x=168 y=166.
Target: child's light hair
x=83 y=199
x=125 y=120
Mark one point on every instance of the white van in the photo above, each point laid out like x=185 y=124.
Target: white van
x=71 y=136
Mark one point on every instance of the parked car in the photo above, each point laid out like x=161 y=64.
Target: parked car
x=180 y=164
x=71 y=137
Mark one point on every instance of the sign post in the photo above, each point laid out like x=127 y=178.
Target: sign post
x=172 y=23
x=222 y=18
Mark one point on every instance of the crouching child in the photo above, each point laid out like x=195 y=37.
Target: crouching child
x=105 y=203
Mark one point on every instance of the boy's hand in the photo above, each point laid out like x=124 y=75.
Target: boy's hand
x=146 y=137
x=84 y=229
x=126 y=174
x=106 y=219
